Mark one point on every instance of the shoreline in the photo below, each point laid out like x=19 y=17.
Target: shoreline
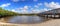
x=49 y=22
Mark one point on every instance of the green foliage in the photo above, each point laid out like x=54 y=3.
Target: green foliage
x=10 y=13
x=28 y=14
x=6 y=12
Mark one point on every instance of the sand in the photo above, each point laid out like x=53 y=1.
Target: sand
x=52 y=22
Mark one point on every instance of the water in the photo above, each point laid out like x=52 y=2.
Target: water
x=26 y=19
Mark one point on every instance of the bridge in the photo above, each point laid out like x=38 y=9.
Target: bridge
x=55 y=13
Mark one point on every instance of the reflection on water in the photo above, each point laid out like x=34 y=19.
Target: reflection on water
x=25 y=19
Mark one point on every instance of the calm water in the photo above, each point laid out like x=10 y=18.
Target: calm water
x=26 y=19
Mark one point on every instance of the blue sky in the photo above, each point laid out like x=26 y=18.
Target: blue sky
x=29 y=6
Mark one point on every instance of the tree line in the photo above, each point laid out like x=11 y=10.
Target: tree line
x=4 y=12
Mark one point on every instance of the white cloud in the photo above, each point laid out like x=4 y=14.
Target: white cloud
x=5 y=5
x=31 y=8
x=42 y=10
x=25 y=7
x=39 y=4
x=36 y=6
x=13 y=10
x=35 y=11
x=15 y=0
x=22 y=8
x=25 y=11
x=45 y=9
x=52 y=5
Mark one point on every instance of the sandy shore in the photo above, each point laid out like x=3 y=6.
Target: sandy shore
x=52 y=22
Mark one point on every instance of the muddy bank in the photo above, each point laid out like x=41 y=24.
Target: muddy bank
x=52 y=22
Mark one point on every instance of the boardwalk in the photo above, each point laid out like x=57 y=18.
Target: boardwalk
x=55 y=13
